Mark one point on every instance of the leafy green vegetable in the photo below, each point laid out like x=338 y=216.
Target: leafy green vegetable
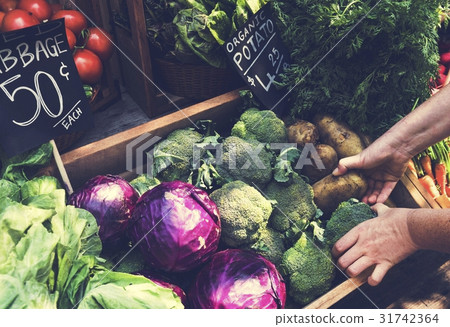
x=111 y=290
x=9 y=190
x=143 y=183
x=282 y=170
x=192 y=26
x=20 y=168
x=39 y=185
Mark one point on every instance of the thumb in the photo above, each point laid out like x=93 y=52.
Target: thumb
x=379 y=208
x=353 y=162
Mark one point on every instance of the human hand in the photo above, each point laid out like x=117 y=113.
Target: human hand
x=383 y=165
x=383 y=241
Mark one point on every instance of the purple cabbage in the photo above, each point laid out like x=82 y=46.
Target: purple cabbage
x=238 y=279
x=111 y=200
x=176 y=226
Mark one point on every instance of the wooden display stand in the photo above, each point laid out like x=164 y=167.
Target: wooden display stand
x=109 y=156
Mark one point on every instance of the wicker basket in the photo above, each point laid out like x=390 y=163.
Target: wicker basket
x=194 y=81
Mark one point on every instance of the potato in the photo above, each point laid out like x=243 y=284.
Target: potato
x=328 y=157
x=331 y=190
x=338 y=135
x=302 y=132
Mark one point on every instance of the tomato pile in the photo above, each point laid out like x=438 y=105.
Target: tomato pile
x=91 y=46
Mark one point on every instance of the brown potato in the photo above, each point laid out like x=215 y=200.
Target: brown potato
x=328 y=156
x=331 y=190
x=338 y=135
x=302 y=132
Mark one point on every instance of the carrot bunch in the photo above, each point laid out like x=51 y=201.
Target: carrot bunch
x=432 y=167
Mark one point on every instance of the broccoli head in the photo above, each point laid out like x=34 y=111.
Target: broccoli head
x=244 y=212
x=308 y=270
x=295 y=204
x=270 y=245
x=172 y=157
x=260 y=125
x=248 y=161
x=347 y=215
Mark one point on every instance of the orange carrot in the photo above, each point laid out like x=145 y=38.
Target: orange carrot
x=425 y=161
x=441 y=176
x=428 y=183
x=412 y=167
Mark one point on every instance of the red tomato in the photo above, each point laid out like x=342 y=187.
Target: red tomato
x=2 y=14
x=55 y=7
x=17 y=19
x=75 y=21
x=98 y=41
x=89 y=66
x=71 y=39
x=39 y=8
x=445 y=58
x=8 y=5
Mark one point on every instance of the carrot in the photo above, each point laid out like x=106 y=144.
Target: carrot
x=441 y=176
x=412 y=167
x=447 y=190
x=428 y=183
x=425 y=161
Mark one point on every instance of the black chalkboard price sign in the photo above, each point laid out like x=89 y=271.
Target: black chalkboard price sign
x=41 y=95
x=258 y=54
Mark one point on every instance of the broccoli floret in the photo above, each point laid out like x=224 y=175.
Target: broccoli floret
x=294 y=204
x=270 y=245
x=248 y=161
x=308 y=270
x=172 y=157
x=244 y=212
x=263 y=126
x=347 y=215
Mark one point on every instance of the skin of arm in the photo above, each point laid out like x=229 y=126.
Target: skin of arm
x=386 y=159
x=396 y=232
x=388 y=239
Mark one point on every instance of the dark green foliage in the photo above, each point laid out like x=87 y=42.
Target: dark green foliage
x=347 y=215
x=369 y=76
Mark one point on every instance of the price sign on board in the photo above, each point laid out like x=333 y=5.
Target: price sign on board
x=258 y=54
x=41 y=95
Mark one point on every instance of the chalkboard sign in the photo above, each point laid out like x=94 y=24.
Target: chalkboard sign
x=41 y=95
x=257 y=52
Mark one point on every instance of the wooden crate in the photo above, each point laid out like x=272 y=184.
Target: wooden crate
x=109 y=156
x=98 y=14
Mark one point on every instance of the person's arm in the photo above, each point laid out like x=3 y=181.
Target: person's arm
x=391 y=237
x=386 y=159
